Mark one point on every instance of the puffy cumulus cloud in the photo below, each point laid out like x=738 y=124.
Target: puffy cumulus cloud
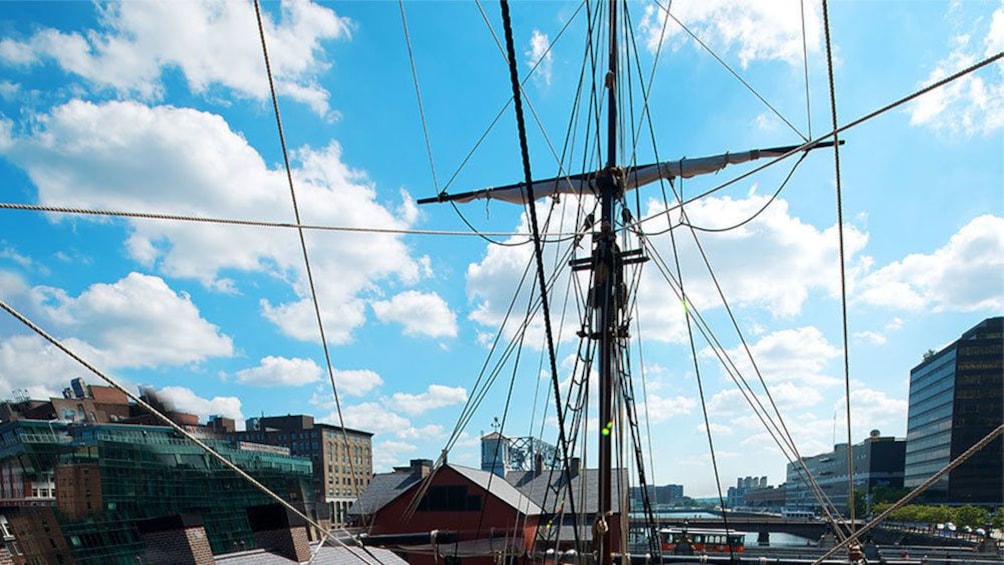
x=388 y=454
x=127 y=156
x=372 y=417
x=353 y=382
x=31 y=364
x=186 y=400
x=658 y=408
x=420 y=313
x=436 y=396
x=795 y=356
x=871 y=409
x=538 y=56
x=773 y=262
x=964 y=275
x=212 y=43
x=756 y=30
x=135 y=322
x=973 y=104
x=280 y=371
x=356 y=382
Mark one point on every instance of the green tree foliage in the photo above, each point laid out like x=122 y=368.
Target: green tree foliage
x=997 y=518
x=973 y=516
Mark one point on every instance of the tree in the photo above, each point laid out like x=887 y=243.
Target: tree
x=997 y=519
x=969 y=515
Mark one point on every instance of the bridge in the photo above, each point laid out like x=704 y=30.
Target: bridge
x=763 y=525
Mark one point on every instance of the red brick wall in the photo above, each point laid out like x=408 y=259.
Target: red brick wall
x=291 y=543
x=188 y=546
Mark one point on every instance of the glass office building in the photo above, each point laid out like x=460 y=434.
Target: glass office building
x=956 y=399
x=107 y=478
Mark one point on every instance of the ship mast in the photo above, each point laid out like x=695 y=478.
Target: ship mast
x=607 y=276
x=608 y=295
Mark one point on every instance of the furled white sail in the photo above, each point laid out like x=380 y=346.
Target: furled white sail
x=634 y=177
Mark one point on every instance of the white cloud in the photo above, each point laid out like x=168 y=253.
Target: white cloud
x=539 y=56
x=716 y=429
x=756 y=29
x=11 y=254
x=135 y=322
x=372 y=417
x=127 y=156
x=436 y=396
x=874 y=338
x=280 y=371
x=797 y=356
x=773 y=262
x=420 y=314
x=213 y=43
x=973 y=104
x=871 y=409
x=427 y=432
x=356 y=382
x=388 y=454
x=964 y=275
x=660 y=409
x=31 y=364
x=353 y=382
x=185 y=400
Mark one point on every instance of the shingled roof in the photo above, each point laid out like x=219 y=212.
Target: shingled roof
x=535 y=485
x=385 y=487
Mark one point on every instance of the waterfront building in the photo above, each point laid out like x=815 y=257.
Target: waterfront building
x=876 y=461
x=658 y=496
x=956 y=399
x=84 y=493
x=342 y=458
x=536 y=500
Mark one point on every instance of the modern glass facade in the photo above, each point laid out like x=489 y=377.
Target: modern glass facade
x=342 y=457
x=956 y=399
x=108 y=477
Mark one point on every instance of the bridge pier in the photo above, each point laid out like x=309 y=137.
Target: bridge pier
x=763 y=537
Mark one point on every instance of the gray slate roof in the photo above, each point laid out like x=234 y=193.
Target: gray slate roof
x=535 y=486
x=500 y=488
x=327 y=555
x=385 y=487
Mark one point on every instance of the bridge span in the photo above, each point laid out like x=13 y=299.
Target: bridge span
x=763 y=525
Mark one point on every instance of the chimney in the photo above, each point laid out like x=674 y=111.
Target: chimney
x=179 y=539
x=538 y=464
x=573 y=466
x=421 y=466
x=278 y=530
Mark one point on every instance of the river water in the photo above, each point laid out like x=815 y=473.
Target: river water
x=776 y=539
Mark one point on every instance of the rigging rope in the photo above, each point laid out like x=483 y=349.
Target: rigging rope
x=306 y=259
x=810 y=144
x=538 y=253
x=170 y=423
x=994 y=434
x=418 y=95
x=732 y=71
x=266 y=224
x=843 y=272
x=805 y=66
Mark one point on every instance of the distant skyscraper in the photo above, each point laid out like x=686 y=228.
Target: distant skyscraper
x=957 y=398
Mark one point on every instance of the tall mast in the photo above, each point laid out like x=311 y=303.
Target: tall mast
x=607 y=272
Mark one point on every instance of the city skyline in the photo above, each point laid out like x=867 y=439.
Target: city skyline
x=165 y=109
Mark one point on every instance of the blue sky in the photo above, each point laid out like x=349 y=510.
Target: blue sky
x=164 y=108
